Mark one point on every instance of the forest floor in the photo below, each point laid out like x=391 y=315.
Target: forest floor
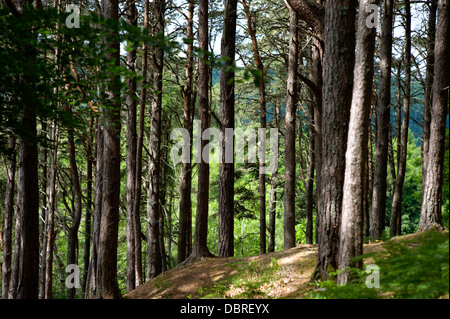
x=282 y=274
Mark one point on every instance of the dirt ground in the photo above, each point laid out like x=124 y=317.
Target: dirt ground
x=292 y=280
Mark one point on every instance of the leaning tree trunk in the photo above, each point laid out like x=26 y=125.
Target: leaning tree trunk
x=338 y=63
x=431 y=216
x=351 y=232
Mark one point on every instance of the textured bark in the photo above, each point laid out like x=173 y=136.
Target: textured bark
x=27 y=207
x=50 y=214
x=200 y=248
x=351 y=231
x=72 y=234
x=8 y=218
x=310 y=11
x=395 y=222
x=226 y=170
x=431 y=216
x=378 y=209
x=107 y=286
x=291 y=107
x=154 y=170
x=338 y=63
x=186 y=169
x=262 y=107
x=428 y=90
x=131 y=103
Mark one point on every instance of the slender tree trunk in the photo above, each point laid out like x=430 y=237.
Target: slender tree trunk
x=291 y=107
x=431 y=216
x=108 y=235
x=72 y=236
x=394 y=229
x=378 y=209
x=262 y=106
x=9 y=215
x=186 y=169
x=351 y=231
x=140 y=142
x=89 y=204
x=154 y=191
x=338 y=64
x=131 y=103
x=226 y=167
x=50 y=215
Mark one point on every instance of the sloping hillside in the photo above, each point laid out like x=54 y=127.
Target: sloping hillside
x=284 y=274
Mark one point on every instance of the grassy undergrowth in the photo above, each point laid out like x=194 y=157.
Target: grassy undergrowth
x=415 y=268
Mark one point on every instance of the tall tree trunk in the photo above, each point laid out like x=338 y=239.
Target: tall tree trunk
x=50 y=214
x=262 y=107
x=9 y=215
x=318 y=81
x=338 y=64
x=226 y=170
x=310 y=179
x=351 y=231
x=154 y=192
x=200 y=248
x=378 y=209
x=428 y=90
x=72 y=236
x=186 y=169
x=431 y=216
x=394 y=229
x=131 y=103
x=89 y=204
x=291 y=107
x=140 y=142
x=109 y=223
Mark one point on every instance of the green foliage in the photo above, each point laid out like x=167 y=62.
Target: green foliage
x=413 y=268
x=412 y=188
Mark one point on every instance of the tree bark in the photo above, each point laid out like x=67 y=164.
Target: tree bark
x=9 y=215
x=200 y=247
x=72 y=234
x=431 y=215
x=226 y=170
x=378 y=209
x=351 y=231
x=338 y=64
x=154 y=191
x=291 y=107
x=262 y=106
x=186 y=169
x=428 y=90
x=395 y=225
x=131 y=103
x=107 y=285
